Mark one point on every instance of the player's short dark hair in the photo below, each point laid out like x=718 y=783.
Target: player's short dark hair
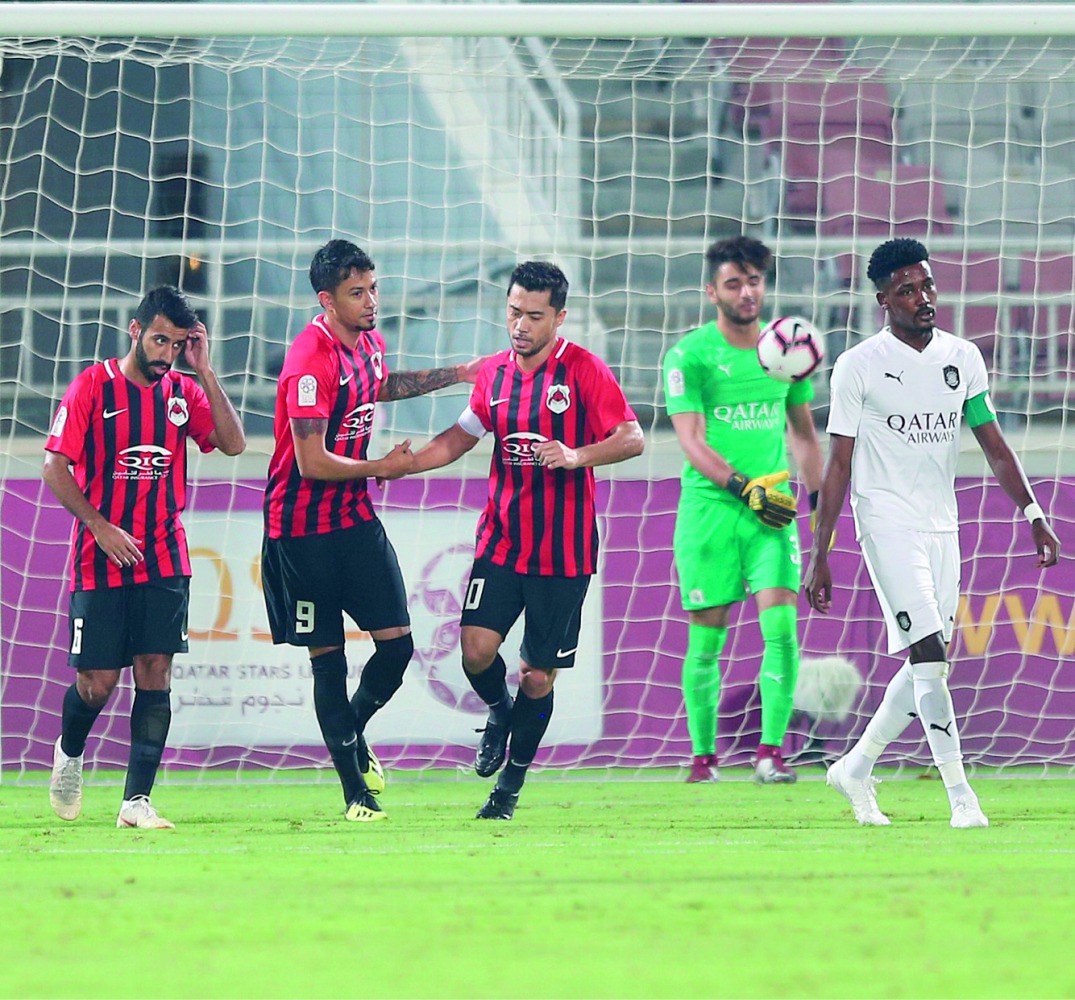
x=334 y=262
x=169 y=301
x=743 y=251
x=891 y=256
x=541 y=276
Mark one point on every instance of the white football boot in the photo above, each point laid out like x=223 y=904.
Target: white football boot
x=139 y=813
x=966 y=812
x=859 y=792
x=65 y=788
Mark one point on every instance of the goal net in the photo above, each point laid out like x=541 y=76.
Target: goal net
x=221 y=163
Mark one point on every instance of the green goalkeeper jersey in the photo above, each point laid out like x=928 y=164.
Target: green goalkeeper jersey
x=745 y=410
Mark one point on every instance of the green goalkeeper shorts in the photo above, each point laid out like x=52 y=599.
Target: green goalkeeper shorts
x=723 y=552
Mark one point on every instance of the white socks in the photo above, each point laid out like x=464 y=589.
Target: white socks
x=916 y=689
x=892 y=717
x=938 y=717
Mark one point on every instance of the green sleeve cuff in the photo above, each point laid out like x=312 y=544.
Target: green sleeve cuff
x=979 y=410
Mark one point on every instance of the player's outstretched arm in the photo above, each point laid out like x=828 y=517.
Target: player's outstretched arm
x=315 y=461
x=406 y=385
x=121 y=548
x=1009 y=472
x=624 y=441
x=817 y=581
x=444 y=449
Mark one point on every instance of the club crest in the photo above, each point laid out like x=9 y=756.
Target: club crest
x=178 y=413
x=904 y=621
x=558 y=398
x=951 y=376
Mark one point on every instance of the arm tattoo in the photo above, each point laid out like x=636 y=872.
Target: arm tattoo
x=308 y=427
x=404 y=385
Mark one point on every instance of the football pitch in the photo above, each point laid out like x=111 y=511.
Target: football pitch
x=599 y=888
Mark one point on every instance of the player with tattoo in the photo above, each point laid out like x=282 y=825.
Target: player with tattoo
x=325 y=552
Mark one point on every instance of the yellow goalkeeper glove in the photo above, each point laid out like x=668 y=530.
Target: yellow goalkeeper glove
x=773 y=508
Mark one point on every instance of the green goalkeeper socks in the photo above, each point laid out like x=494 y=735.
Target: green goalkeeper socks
x=779 y=670
x=701 y=685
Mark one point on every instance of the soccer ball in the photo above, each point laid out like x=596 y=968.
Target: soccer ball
x=827 y=688
x=790 y=349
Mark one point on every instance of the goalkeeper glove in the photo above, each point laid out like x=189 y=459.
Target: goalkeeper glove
x=773 y=508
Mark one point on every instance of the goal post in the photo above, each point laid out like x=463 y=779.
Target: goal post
x=451 y=141
x=662 y=19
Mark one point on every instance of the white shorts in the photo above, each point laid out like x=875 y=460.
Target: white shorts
x=916 y=577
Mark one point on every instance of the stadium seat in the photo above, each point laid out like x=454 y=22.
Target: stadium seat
x=904 y=203
x=966 y=113
x=1047 y=312
x=970 y=290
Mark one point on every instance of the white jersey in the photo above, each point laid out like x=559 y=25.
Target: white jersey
x=904 y=409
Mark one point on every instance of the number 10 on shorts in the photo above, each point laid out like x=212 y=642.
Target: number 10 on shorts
x=474 y=594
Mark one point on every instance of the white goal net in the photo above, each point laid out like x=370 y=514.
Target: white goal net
x=221 y=163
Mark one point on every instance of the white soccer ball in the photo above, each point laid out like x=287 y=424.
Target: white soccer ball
x=828 y=687
x=790 y=349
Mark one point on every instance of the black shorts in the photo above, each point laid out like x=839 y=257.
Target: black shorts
x=110 y=626
x=496 y=596
x=310 y=582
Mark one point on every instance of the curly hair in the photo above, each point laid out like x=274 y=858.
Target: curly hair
x=891 y=256
x=743 y=251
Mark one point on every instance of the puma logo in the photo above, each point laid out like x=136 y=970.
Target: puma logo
x=942 y=729
x=898 y=378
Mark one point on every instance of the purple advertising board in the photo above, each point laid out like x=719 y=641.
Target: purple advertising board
x=238 y=700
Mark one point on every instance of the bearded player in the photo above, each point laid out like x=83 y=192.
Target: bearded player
x=735 y=525
x=116 y=458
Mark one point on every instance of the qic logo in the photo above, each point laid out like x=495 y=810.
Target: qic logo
x=143 y=461
x=518 y=448
x=357 y=423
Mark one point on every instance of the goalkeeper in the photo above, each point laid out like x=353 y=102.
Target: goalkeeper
x=735 y=526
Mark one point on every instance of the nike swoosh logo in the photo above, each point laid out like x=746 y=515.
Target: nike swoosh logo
x=561 y=653
x=351 y=742
x=183 y=636
x=113 y=413
x=344 y=381
x=497 y=402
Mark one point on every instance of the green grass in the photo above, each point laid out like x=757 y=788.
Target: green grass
x=608 y=888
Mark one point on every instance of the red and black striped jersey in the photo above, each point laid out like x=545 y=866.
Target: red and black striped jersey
x=542 y=521
x=128 y=446
x=323 y=379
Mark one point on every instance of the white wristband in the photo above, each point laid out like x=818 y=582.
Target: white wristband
x=1033 y=511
